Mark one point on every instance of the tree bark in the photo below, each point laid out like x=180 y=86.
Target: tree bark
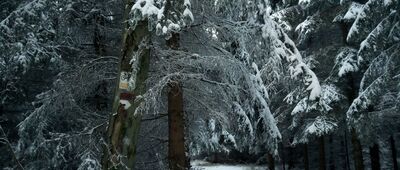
x=357 y=151
x=306 y=164
x=124 y=123
x=98 y=39
x=291 y=158
x=322 y=159
x=271 y=162
x=283 y=157
x=331 y=154
x=374 y=155
x=176 y=144
x=394 y=153
x=346 y=150
x=176 y=140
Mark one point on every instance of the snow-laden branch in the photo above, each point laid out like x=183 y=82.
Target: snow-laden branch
x=165 y=21
x=286 y=49
x=373 y=84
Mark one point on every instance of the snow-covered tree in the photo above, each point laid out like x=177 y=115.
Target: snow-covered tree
x=378 y=73
x=55 y=81
x=256 y=79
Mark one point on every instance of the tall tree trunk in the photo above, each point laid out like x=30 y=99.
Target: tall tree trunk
x=357 y=148
x=124 y=124
x=283 y=155
x=176 y=143
x=321 y=148
x=176 y=140
x=306 y=164
x=331 y=153
x=357 y=151
x=346 y=150
x=271 y=161
x=394 y=153
x=291 y=158
x=374 y=155
x=98 y=38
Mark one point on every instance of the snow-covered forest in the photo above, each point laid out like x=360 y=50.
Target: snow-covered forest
x=199 y=84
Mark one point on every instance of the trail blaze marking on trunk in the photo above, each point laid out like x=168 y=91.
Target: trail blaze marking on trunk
x=123 y=83
x=126 y=99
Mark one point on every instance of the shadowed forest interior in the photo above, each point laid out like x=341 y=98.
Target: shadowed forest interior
x=199 y=84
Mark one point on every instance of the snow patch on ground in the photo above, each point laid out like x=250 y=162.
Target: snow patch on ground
x=203 y=165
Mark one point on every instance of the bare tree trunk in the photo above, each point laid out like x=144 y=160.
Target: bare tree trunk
x=271 y=161
x=346 y=150
x=374 y=155
x=176 y=140
x=98 y=39
x=283 y=156
x=394 y=153
x=291 y=157
x=357 y=148
x=357 y=151
x=306 y=164
x=322 y=159
x=331 y=153
x=176 y=144
x=124 y=124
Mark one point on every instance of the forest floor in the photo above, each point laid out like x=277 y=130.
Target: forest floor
x=203 y=165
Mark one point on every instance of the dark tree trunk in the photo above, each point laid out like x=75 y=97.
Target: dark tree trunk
x=331 y=154
x=283 y=156
x=173 y=42
x=123 y=122
x=357 y=148
x=98 y=38
x=346 y=150
x=357 y=151
x=176 y=143
x=271 y=162
x=394 y=153
x=176 y=140
x=374 y=154
x=321 y=148
x=291 y=158
x=306 y=165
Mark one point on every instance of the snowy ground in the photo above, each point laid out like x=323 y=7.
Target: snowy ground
x=202 y=165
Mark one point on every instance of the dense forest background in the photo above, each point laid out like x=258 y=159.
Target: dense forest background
x=157 y=84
